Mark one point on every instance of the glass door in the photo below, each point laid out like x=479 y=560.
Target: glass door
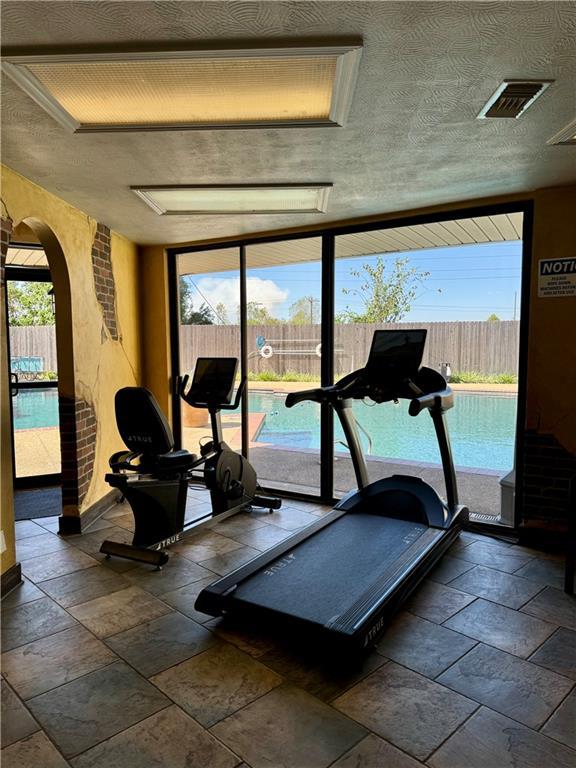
x=208 y=315
x=34 y=377
x=284 y=351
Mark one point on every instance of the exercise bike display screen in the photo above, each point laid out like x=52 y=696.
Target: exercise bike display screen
x=214 y=379
x=397 y=354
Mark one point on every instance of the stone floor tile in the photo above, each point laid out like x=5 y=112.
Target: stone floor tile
x=117 y=510
x=437 y=602
x=263 y=538
x=153 y=647
x=291 y=518
x=422 y=645
x=223 y=564
x=82 y=586
x=110 y=614
x=168 y=739
x=51 y=524
x=17 y=722
x=469 y=537
x=90 y=543
x=497 y=586
x=558 y=653
x=216 y=683
x=507 y=684
x=449 y=568
x=544 y=572
x=316 y=671
x=177 y=572
x=184 y=598
x=56 y=564
x=509 y=630
x=23 y=593
x=34 y=752
x=239 y=524
x=36 y=546
x=125 y=521
x=562 y=724
x=288 y=728
x=25 y=528
x=406 y=709
x=554 y=606
x=51 y=661
x=25 y=623
x=205 y=545
x=92 y=708
x=373 y=752
x=489 y=740
x=253 y=638
x=493 y=556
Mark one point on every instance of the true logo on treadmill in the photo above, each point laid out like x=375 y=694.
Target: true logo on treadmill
x=280 y=564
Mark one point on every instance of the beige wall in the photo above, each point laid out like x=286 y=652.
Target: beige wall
x=100 y=365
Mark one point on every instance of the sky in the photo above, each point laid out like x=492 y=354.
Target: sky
x=465 y=283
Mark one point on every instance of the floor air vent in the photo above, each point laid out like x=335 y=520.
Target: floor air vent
x=513 y=98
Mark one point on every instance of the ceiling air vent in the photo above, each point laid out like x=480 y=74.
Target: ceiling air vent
x=513 y=98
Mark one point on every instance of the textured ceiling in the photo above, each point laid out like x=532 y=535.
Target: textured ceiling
x=412 y=138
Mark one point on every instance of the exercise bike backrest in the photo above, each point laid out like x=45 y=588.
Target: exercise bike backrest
x=147 y=435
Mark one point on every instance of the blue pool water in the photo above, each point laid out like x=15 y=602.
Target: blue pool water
x=482 y=427
x=34 y=408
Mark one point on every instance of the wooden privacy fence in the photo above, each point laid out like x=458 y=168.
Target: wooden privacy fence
x=486 y=347
x=33 y=341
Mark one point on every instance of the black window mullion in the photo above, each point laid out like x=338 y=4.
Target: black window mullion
x=327 y=371
x=243 y=351
x=173 y=309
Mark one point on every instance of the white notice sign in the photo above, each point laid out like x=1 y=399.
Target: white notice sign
x=557 y=277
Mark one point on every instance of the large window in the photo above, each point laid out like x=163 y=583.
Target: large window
x=209 y=325
x=283 y=312
x=277 y=303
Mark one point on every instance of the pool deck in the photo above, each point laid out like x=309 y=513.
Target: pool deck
x=38 y=452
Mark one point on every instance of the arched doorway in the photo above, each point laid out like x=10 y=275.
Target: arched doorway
x=41 y=237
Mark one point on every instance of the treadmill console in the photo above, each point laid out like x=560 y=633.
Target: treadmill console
x=396 y=355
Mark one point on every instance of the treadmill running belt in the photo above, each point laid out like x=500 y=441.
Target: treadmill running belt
x=325 y=574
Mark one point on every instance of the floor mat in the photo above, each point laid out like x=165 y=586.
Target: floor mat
x=41 y=502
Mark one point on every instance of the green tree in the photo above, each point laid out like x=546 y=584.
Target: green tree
x=386 y=295
x=30 y=303
x=189 y=315
x=493 y=318
x=305 y=310
x=257 y=314
x=221 y=312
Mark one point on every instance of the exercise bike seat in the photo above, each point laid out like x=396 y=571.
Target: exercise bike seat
x=147 y=435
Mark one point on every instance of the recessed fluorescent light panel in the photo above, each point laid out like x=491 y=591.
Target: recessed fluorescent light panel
x=207 y=200
x=566 y=136
x=247 y=88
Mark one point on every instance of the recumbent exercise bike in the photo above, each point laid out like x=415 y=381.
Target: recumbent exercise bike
x=154 y=477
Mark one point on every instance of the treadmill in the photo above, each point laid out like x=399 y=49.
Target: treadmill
x=344 y=576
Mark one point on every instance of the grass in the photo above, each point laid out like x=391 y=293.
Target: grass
x=475 y=377
x=459 y=377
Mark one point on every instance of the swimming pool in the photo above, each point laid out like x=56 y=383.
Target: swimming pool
x=482 y=427
x=35 y=408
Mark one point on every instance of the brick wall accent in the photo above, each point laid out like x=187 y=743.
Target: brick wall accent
x=548 y=469
x=78 y=441
x=104 y=278
x=5 y=233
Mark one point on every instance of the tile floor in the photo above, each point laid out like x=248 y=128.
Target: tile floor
x=107 y=664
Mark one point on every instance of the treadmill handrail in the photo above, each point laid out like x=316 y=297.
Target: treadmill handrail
x=439 y=401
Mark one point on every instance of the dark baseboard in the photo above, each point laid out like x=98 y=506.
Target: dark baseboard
x=70 y=525
x=11 y=578
x=551 y=538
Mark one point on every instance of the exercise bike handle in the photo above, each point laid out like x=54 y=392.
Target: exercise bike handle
x=316 y=395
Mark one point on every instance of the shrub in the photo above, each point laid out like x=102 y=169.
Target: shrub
x=475 y=377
